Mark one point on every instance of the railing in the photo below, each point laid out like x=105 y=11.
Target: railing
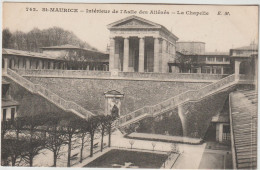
x=176 y=100
x=122 y=75
x=54 y=98
x=64 y=73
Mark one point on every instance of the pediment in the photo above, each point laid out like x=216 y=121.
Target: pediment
x=134 y=22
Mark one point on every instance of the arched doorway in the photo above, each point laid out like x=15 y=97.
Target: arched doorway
x=115 y=112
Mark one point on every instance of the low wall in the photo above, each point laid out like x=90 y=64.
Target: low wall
x=123 y=75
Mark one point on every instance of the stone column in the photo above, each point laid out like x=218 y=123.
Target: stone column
x=164 y=57
x=156 y=55
x=222 y=70
x=199 y=70
x=116 y=55
x=5 y=65
x=51 y=65
x=182 y=112
x=126 y=54
x=237 y=65
x=111 y=53
x=220 y=132
x=27 y=66
x=141 y=54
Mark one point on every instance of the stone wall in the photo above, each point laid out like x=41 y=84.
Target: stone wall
x=89 y=93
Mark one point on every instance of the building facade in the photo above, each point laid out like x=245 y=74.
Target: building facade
x=9 y=106
x=68 y=59
x=17 y=59
x=208 y=63
x=139 y=45
x=79 y=58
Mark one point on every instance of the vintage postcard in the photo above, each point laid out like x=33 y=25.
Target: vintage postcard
x=154 y=86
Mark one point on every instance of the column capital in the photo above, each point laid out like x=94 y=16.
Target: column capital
x=126 y=37
x=141 y=36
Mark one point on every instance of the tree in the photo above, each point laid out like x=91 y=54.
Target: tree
x=110 y=119
x=5 y=127
x=36 y=38
x=11 y=144
x=103 y=125
x=93 y=126
x=70 y=127
x=6 y=34
x=55 y=136
x=185 y=62
x=12 y=148
x=35 y=139
x=83 y=130
x=131 y=142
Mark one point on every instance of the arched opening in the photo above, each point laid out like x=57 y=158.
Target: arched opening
x=115 y=111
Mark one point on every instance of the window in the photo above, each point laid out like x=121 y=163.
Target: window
x=211 y=58
x=205 y=70
x=219 y=59
x=218 y=70
x=226 y=132
x=226 y=59
x=4 y=114
x=238 y=52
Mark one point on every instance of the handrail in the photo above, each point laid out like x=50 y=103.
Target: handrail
x=176 y=100
x=54 y=98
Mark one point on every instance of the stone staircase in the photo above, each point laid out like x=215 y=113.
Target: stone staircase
x=65 y=105
x=191 y=95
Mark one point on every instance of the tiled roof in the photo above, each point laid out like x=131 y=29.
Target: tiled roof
x=68 y=46
x=216 y=53
x=244 y=128
x=250 y=47
x=6 y=51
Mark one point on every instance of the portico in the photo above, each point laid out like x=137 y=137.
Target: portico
x=139 y=45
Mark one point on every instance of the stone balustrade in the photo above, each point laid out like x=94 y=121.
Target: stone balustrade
x=52 y=97
x=122 y=75
x=179 y=99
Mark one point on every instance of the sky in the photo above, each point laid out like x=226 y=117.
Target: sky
x=219 y=32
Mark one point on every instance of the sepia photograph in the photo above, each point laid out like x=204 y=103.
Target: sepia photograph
x=110 y=85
